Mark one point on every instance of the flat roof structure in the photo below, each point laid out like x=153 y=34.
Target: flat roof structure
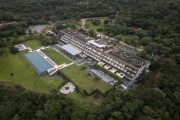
x=71 y=49
x=129 y=58
x=76 y=34
x=93 y=42
x=127 y=48
x=39 y=62
x=118 y=59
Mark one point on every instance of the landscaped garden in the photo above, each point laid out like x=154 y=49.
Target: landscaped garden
x=56 y=56
x=95 y=24
x=80 y=77
x=34 y=44
x=16 y=69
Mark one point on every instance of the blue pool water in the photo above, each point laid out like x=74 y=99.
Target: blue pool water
x=40 y=63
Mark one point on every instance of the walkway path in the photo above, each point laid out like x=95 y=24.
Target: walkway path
x=8 y=23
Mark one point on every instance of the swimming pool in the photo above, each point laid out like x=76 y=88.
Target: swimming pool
x=39 y=62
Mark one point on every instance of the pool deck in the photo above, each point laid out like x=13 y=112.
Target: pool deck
x=55 y=67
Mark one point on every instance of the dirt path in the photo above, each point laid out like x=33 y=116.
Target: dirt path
x=83 y=21
x=7 y=24
x=49 y=27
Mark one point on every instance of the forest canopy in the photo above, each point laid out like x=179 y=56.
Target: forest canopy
x=154 y=24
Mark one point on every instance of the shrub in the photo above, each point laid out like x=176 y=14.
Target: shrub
x=13 y=49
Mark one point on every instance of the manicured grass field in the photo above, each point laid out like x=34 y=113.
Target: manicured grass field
x=24 y=74
x=57 y=57
x=34 y=44
x=81 y=78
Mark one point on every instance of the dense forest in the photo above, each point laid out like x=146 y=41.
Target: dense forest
x=19 y=104
x=154 y=24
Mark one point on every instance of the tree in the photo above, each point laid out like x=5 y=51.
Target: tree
x=117 y=115
x=131 y=108
x=111 y=34
x=16 y=117
x=13 y=49
x=54 y=108
x=99 y=29
x=1 y=51
x=92 y=33
x=150 y=112
x=30 y=31
x=155 y=65
x=111 y=17
x=107 y=22
x=96 y=22
x=78 y=114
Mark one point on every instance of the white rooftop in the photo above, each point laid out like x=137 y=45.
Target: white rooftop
x=96 y=44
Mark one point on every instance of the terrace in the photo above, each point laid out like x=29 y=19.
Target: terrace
x=80 y=77
x=77 y=34
x=131 y=59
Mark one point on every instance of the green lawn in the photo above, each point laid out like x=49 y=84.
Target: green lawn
x=57 y=57
x=24 y=74
x=89 y=24
x=83 y=80
x=34 y=44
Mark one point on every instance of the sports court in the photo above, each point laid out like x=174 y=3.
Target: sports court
x=39 y=62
